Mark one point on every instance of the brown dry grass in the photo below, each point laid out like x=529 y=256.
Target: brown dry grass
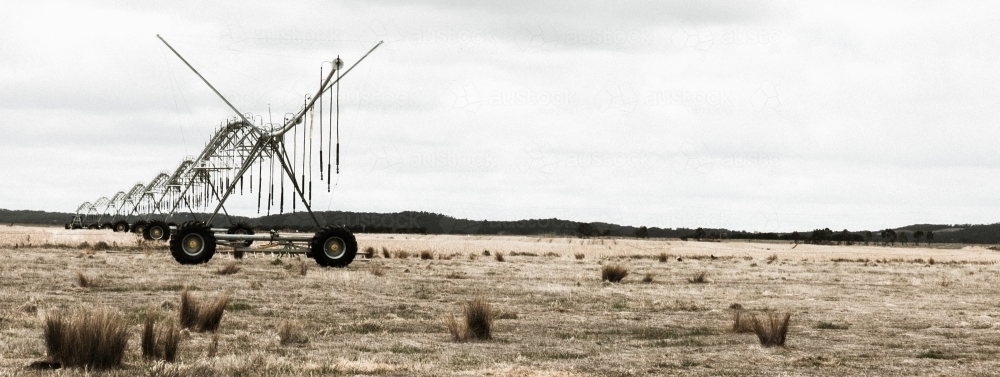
x=291 y=333
x=159 y=345
x=477 y=321
x=614 y=272
x=202 y=316
x=93 y=339
x=772 y=329
x=742 y=322
x=377 y=269
x=568 y=321
x=699 y=278
x=84 y=281
x=229 y=269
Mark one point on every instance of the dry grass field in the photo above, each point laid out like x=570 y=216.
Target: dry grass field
x=855 y=310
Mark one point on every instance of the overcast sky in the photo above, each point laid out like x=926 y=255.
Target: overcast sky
x=766 y=116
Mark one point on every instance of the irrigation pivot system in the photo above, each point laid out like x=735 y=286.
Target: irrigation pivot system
x=240 y=155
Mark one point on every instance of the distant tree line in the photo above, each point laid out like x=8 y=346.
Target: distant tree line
x=433 y=223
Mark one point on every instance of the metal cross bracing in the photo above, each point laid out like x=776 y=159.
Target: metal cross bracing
x=238 y=146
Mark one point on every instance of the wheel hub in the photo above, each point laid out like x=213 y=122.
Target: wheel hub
x=334 y=248
x=193 y=244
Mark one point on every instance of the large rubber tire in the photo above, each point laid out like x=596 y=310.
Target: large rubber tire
x=194 y=243
x=107 y=226
x=334 y=247
x=93 y=226
x=139 y=226
x=67 y=225
x=157 y=230
x=241 y=228
x=121 y=226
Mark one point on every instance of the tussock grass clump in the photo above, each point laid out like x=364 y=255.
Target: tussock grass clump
x=229 y=269
x=742 y=323
x=579 y=256
x=160 y=344
x=930 y=261
x=385 y=253
x=662 y=257
x=401 y=254
x=479 y=318
x=93 y=339
x=945 y=282
x=85 y=281
x=830 y=326
x=504 y=315
x=499 y=256
x=303 y=269
x=933 y=354
x=426 y=254
x=773 y=258
x=202 y=316
x=552 y=254
x=648 y=278
x=276 y=262
x=614 y=272
x=101 y=246
x=213 y=347
x=699 y=278
x=486 y=253
x=370 y=251
x=83 y=245
x=291 y=333
x=772 y=329
x=377 y=269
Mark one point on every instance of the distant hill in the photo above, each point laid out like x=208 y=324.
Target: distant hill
x=434 y=223
x=930 y=227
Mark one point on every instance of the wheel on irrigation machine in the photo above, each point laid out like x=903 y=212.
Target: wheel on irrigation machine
x=193 y=243
x=107 y=226
x=139 y=226
x=156 y=230
x=93 y=226
x=121 y=226
x=240 y=228
x=334 y=247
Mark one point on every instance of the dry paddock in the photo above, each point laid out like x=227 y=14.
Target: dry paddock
x=856 y=310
